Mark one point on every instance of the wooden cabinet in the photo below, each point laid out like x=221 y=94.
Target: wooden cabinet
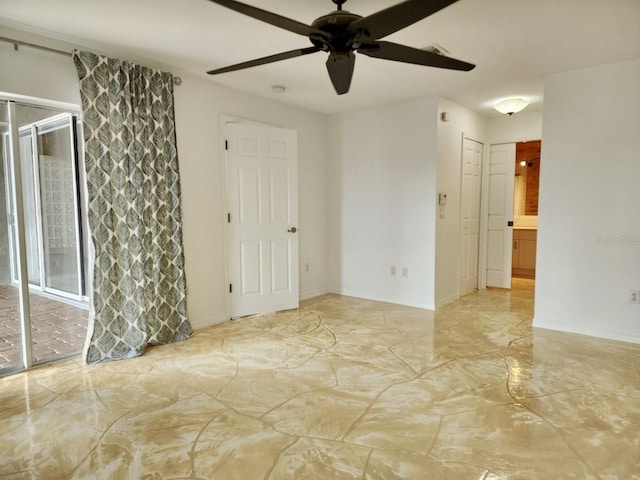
x=523 y=260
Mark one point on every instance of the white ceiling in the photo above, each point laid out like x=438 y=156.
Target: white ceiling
x=514 y=44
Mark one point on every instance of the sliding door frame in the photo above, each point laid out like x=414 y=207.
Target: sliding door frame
x=16 y=178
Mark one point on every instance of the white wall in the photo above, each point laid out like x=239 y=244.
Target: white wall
x=36 y=73
x=519 y=127
x=589 y=223
x=200 y=106
x=382 y=195
x=461 y=122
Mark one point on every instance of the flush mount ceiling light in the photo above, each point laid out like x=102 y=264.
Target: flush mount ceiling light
x=509 y=106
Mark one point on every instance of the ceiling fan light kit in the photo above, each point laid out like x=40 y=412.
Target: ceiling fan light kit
x=341 y=34
x=509 y=106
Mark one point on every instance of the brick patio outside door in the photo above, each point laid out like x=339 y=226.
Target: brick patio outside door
x=58 y=329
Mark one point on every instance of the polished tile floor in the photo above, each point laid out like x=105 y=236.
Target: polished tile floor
x=342 y=388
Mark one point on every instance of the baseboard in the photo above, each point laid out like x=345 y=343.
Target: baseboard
x=444 y=301
x=201 y=323
x=587 y=332
x=350 y=293
x=313 y=293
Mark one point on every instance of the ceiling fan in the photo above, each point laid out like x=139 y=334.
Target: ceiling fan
x=341 y=33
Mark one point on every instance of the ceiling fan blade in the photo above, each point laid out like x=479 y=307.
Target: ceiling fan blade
x=397 y=17
x=340 y=67
x=264 y=60
x=269 y=17
x=402 y=53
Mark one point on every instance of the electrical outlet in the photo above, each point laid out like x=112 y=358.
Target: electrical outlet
x=392 y=270
x=634 y=296
x=405 y=272
x=307 y=267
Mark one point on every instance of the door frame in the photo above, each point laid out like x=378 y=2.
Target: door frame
x=480 y=212
x=224 y=120
x=484 y=209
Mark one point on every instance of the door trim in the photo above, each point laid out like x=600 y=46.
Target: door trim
x=480 y=212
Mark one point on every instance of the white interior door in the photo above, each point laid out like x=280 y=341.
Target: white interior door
x=470 y=214
x=262 y=186
x=500 y=233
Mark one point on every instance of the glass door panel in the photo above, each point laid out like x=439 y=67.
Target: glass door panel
x=10 y=324
x=60 y=212
x=30 y=205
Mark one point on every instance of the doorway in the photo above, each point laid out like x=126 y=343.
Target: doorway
x=525 y=209
x=262 y=238
x=512 y=212
x=43 y=235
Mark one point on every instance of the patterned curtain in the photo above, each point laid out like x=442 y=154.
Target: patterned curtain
x=135 y=215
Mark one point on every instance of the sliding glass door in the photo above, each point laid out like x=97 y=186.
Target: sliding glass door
x=53 y=233
x=43 y=294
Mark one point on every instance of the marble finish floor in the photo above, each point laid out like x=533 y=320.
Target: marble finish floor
x=341 y=388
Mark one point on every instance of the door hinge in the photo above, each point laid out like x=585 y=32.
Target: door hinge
x=226 y=144
x=230 y=288
x=228 y=217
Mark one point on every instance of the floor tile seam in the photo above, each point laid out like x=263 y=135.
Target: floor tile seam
x=319 y=351
x=491 y=319
x=192 y=451
x=599 y=391
x=390 y=348
x=299 y=436
x=258 y=417
x=507 y=379
x=510 y=344
x=435 y=436
x=527 y=323
x=456 y=324
x=233 y=377
x=463 y=357
x=277 y=457
x=348 y=344
x=98 y=441
x=486 y=469
x=372 y=448
x=374 y=401
x=302 y=334
x=56 y=394
x=367 y=462
x=299 y=394
x=560 y=432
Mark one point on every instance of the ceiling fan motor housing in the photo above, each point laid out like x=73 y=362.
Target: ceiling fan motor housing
x=335 y=24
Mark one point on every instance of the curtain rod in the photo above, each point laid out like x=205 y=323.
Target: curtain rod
x=19 y=43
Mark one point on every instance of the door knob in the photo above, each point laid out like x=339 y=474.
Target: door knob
x=292 y=230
